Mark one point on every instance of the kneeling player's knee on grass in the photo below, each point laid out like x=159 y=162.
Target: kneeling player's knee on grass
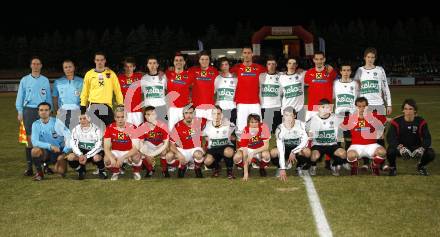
x=136 y=159
x=341 y=153
x=61 y=165
x=164 y=152
x=306 y=152
x=352 y=155
x=238 y=157
x=36 y=152
x=209 y=160
x=198 y=155
x=107 y=162
x=274 y=153
x=228 y=152
x=169 y=156
x=315 y=155
x=265 y=155
x=380 y=151
x=72 y=157
x=97 y=158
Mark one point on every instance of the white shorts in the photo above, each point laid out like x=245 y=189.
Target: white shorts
x=364 y=150
x=174 y=116
x=189 y=153
x=135 y=118
x=119 y=154
x=148 y=146
x=204 y=113
x=243 y=110
x=256 y=156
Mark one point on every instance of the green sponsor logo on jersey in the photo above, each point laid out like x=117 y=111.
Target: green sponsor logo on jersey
x=344 y=100
x=369 y=86
x=294 y=90
x=292 y=142
x=153 y=92
x=219 y=142
x=326 y=137
x=270 y=90
x=86 y=145
x=225 y=94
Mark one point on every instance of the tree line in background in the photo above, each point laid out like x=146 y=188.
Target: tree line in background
x=411 y=37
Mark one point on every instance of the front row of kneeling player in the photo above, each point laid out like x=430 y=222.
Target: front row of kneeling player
x=182 y=148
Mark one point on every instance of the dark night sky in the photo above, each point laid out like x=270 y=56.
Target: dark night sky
x=37 y=18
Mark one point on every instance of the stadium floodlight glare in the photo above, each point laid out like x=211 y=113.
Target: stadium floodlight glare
x=220 y=55
x=192 y=53
x=231 y=52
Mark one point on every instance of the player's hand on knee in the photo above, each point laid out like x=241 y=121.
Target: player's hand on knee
x=405 y=153
x=82 y=160
x=292 y=158
x=55 y=149
x=418 y=153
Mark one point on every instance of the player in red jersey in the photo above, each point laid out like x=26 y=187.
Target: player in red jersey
x=320 y=81
x=178 y=89
x=186 y=142
x=364 y=127
x=247 y=94
x=131 y=91
x=254 y=146
x=203 y=77
x=154 y=141
x=119 y=147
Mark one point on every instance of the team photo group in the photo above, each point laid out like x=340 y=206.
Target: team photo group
x=213 y=115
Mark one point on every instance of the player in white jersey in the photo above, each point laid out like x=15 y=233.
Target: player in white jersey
x=292 y=87
x=154 y=84
x=374 y=84
x=225 y=85
x=323 y=131
x=345 y=92
x=270 y=95
x=86 y=145
x=218 y=134
x=374 y=87
x=291 y=146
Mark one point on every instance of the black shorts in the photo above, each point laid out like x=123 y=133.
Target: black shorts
x=328 y=150
x=217 y=152
x=287 y=151
x=85 y=151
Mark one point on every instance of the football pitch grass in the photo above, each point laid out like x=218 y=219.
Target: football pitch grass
x=405 y=205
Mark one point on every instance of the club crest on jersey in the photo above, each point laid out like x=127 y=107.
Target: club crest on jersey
x=375 y=74
x=247 y=69
x=120 y=136
x=361 y=123
x=203 y=73
x=129 y=81
x=77 y=93
x=108 y=75
x=318 y=75
x=178 y=77
x=43 y=92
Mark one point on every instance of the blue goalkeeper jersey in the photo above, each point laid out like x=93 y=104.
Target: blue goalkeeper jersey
x=53 y=133
x=32 y=91
x=68 y=92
